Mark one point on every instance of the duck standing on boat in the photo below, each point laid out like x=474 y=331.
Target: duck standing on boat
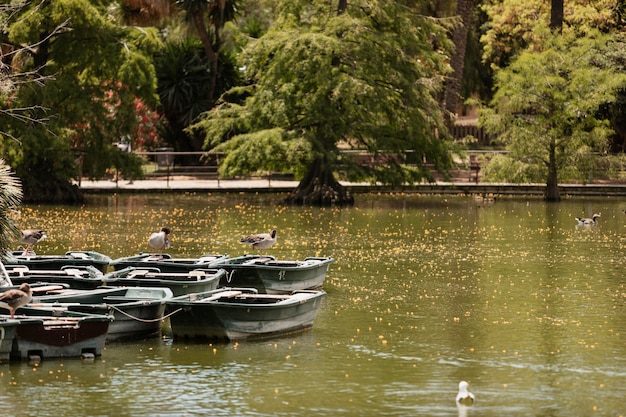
x=160 y=240
x=260 y=241
x=30 y=237
x=585 y=221
x=16 y=298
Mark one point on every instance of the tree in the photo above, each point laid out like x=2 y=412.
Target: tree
x=464 y=10
x=511 y=26
x=547 y=105
x=209 y=18
x=363 y=77
x=184 y=80
x=95 y=70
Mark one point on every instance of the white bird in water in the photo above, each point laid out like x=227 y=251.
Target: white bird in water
x=30 y=237
x=160 y=240
x=464 y=397
x=260 y=241
x=585 y=221
x=14 y=299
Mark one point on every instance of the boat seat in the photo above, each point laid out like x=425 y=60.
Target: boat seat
x=223 y=294
x=199 y=274
x=302 y=297
x=19 y=270
x=284 y=263
x=139 y=272
x=258 y=261
x=47 y=288
x=78 y=255
x=74 y=271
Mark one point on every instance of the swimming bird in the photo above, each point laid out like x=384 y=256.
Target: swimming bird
x=464 y=397
x=585 y=221
x=260 y=241
x=16 y=298
x=30 y=237
x=160 y=240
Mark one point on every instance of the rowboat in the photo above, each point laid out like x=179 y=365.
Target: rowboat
x=229 y=314
x=165 y=262
x=8 y=328
x=52 y=262
x=272 y=276
x=197 y=280
x=78 y=277
x=61 y=334
x=137 y=311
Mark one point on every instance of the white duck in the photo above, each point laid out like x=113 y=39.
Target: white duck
x=30 y=237
x=16 y=298
x=160 y=240
x=585 y=221
x=464 y=397
x=260 y=241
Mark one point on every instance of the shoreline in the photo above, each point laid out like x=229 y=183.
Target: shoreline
x=189 y=184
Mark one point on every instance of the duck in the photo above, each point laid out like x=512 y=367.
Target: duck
x=160 y=240
x=585 y=221
x=30 y=237
x=16 y=298
x=260 y=241
x=464 y=397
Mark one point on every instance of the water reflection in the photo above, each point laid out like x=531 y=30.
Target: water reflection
x=425 y=291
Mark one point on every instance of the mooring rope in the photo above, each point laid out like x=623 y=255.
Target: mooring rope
x=145 y=320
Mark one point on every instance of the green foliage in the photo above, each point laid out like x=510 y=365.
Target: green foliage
x=265 y=148
x=512 y=24
x=10 y=200
x=546 y=107
x=96 y=68
x=184 y=76
x=502 y=168
x=366 y=78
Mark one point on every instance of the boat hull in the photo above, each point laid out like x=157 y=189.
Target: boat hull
x=187 y=282
x=197 y=316
x=137 y=312
x=51 y=262
x=271 y=276
x=8 y=329
x=68 y=335
x=166 y=263
x=77 y=277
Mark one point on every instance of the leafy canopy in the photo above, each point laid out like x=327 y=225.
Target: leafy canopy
x=97 y=68
x=549 y=101
x=366 y=78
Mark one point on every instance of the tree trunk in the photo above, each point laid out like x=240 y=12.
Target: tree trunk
x=457 y=60
x=556 y=15
x=211 y=54
x=320 y=188
x=552 y=184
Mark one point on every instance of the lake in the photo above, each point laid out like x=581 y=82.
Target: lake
x=425 y=291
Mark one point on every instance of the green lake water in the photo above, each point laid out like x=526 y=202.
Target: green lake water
x=509 y=295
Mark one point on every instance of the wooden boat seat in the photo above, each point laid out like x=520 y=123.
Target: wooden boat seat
x=223 y=294
x=78 y=255
x=296 y=297
x=19 y=270
x=284 y=263
x=258 y=261
x=47 y=288
x=74 y=271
